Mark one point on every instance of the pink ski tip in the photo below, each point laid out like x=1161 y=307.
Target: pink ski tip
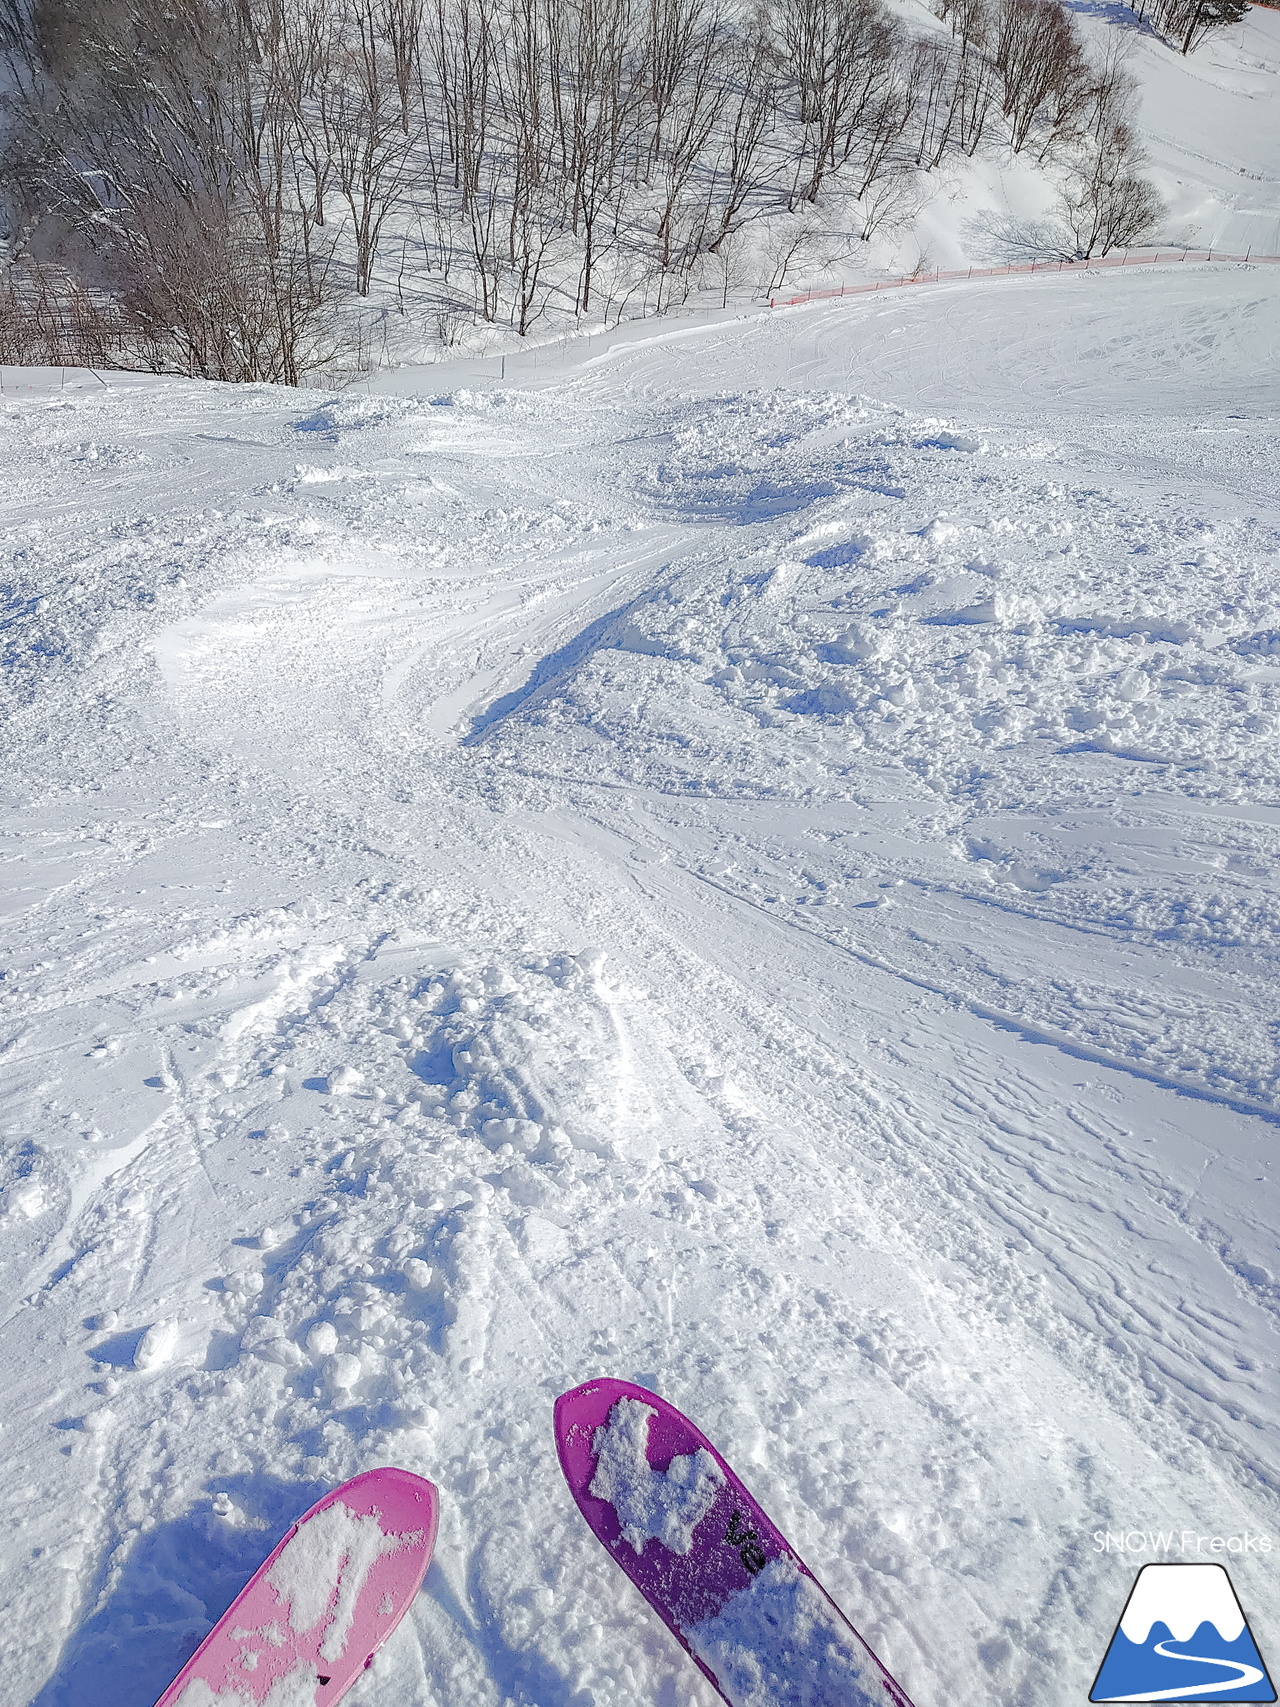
x=309 y=1621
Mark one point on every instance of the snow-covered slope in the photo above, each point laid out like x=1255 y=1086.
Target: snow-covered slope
x=746 y=862
x=1209 y=124
x=1209 y=128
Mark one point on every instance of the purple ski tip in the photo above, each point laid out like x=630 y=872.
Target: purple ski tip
x=309 y=1621
x=723 y=1578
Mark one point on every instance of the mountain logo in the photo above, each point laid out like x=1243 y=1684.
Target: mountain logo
x=1182 y=1637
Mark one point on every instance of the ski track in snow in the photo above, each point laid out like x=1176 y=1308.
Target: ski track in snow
x=747 y=866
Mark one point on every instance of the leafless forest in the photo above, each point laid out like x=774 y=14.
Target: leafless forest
x=247 y=189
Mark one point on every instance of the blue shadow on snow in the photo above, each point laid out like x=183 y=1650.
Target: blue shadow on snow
x=176 y=1583
x=593 y=637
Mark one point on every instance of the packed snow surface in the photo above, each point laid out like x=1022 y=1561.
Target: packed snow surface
x=745 y=861
x=779 y=1642
x=666 y=1505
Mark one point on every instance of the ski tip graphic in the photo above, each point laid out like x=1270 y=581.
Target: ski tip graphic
x=1182 y=1636
x=310 y=1619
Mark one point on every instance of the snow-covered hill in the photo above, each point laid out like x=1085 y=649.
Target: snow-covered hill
x=1212 y=131
x=1210 y=128
x=744 y=861
x=1208 y=125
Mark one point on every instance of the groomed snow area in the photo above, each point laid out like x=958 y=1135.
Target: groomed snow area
x=746 y=863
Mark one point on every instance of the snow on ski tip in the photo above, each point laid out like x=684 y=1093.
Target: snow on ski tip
x=718 y=1572
x=311 y=1618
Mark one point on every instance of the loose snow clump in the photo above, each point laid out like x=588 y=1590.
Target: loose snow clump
x=334 y=1547
x=665 y=1505
x=157 y=1346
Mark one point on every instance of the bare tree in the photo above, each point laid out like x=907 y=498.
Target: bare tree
x=204 y=171
x=749 y=99
x=1106 y=203
x=307 y=46
x=161 y=142
x=1185 y=23
x=534 y=223
x=366 y=124
x=15 y=27
x=599 y=113
x=48 y=318
x=786 y=250
x=975 y=101
x=843 y=60
x=400 y=27
x=1040 y=60
x=890 y=199
x=875 y=141
x=1111 y=93
x=972 y=23
x=931 y=75
x=681 y=130
x=676 y=37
